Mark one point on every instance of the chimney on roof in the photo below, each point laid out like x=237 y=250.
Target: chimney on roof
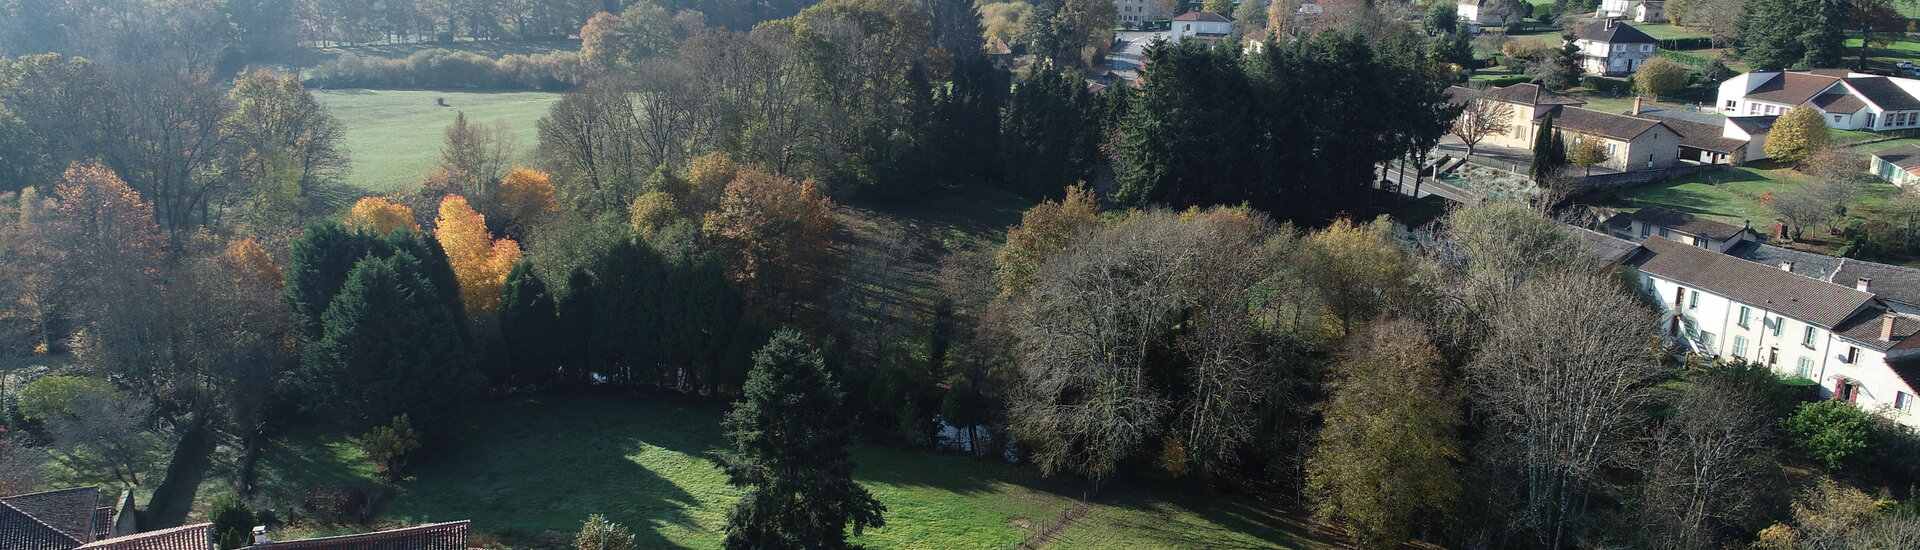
x=260 y=535
x=1886 y=328
x=1863 y=285
x=1609 y=23
x=1636 y=105
x=1786 y=266
x=1779 y=229
x=1746 y=224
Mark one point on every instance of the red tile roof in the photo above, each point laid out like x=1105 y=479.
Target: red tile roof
x=189 y=537
x=1205 y=16
x=438 y=536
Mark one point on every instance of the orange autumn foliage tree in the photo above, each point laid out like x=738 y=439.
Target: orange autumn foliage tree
x=779 y=236
x=252 y=263
x=480 y=262
x=380 y=216
x=525 y=195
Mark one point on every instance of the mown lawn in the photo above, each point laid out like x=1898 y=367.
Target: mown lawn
x=528 y=470
x=394 y=135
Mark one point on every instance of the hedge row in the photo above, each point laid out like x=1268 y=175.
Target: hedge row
x=441 y=68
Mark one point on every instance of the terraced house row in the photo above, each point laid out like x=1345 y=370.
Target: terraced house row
x=1724 y=293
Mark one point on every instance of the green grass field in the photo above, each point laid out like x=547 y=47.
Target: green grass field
x=527 y=470
x=394 y=135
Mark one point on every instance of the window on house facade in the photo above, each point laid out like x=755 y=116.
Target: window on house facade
x=1733 y=104
x=1777 y=326
x=1646 y=47
x=1739 y=346
x=1693 y=302
x=1903 y=401
x=1645 y=230
x=1807 y=339
x=1836 y=118
x=1805 y=369
x=1707 y=341
x=1664 y=232
x=1679 y=296
x=1853 y=354
x=1611 y=146
x=1745 y=314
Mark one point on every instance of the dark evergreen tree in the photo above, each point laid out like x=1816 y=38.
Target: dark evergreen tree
x=1780 y=34
x=956 y=26
x=530 y=327
x=1549 y=151
x=327 y=253
x=576 y=309
x=389 y=346
x=1185 y=140
x=1052 y=133
x=789 y=435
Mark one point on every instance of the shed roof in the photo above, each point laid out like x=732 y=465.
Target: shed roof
x=1704 y=136
x=437 y=536
x=1838 y=103
x=188 y=537
x=1528 y=93
x=1809 y=300
x=1907 y=157
x=1754 y=125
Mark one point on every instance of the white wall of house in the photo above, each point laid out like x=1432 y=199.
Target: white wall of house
x=1711 y=325
x=1187 y=29
x=1606 y=58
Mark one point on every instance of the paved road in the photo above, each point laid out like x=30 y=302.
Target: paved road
x=1128 y=47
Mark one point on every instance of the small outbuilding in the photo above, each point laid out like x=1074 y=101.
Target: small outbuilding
x=1899 y=166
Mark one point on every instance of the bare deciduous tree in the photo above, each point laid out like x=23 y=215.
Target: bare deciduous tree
x=1704 y=463
x=1561 y=379
x=1481 y=118
x=107 y=436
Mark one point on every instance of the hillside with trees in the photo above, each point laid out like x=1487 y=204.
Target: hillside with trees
x=787 y=275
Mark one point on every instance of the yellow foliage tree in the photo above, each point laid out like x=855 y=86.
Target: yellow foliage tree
x=253 y=262
x=480 y=263
x=653 y=211
x=1044 y=231
x=779 y=234
x=1797 y=135
x=380 y=216
x=526 y=195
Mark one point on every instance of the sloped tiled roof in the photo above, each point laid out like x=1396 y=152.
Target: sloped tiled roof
x=1704 y=136
x=69 y=510
x=1884 y=93
x=1203 y=16
x=1531 y=94
x=1813 y=301
x=1805 y=264
x=438 y=536
x=1613 y=32
x=1792 y=87
x=19 y=531
x=1865 y=329
x=1606 y=249
x=1753 y=125
x=102 y=523
x=1678 y=221
x=1907 y=157
x=1585 y=121
x=1838 y=103
x=1889 y=282
x=189 y=537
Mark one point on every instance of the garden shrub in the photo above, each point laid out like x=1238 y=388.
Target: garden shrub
x=335 y=504
x=232 y=520
x=1829 y=431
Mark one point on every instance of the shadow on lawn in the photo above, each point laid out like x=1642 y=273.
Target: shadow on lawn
x=1215 y=514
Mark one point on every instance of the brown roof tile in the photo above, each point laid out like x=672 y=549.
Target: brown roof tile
x=1585 y=121
x=1865 y=329
x=19 y=531
x=438 y=536
x=69 y=510
x=1679 y=221
x=1838 y=103
x=1205 y=16
x=1907 y=157
x=1530 y=94
x=1704 y=136
x=1792 y=87
x=1808 y=300
x=1884 y=92
x=189 y=537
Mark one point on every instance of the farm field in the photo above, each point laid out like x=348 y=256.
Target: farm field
x=394 y=135
x=642 y=462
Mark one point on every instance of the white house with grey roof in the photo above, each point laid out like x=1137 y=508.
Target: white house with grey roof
x=1609 y=47
x=1856 y=345
x=1845 y=100
x=1899 y=166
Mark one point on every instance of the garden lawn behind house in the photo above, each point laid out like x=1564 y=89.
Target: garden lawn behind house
x=394 y=136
